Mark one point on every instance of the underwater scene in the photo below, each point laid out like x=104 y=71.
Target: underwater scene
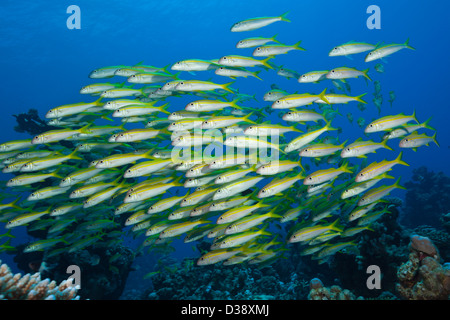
x=224 y=150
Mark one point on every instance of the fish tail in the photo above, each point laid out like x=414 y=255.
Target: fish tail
x=85 y=129
x=434 y=139
x=384 y=143
x=297 y=46
x=397 y=184
x=255 y=74
x=247 y=118
x=283 y=17
x=408 y=46
x=414 y=116
x=343 y=144
x=400 y=161
x=265 y=62
x=334 y=226
x=226 y=87
x=163 y=108
x=274 y=38
x=98 y=102
x=345 y=168
x=366 y=75
x=425 y=124
x=329 y=127
x=358 y=98
x=233 y=103
x=74 y=156
x=322 y=96
x=177 y=182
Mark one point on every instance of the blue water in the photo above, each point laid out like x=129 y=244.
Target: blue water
x=44 y=64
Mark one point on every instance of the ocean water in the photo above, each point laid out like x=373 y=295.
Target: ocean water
x=44 y=64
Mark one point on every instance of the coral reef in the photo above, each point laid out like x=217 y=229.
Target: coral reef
x=319 y=292
x=104 y=269
x=31 y=287
x=422 y=277
x=427 y=198
x=217 y=282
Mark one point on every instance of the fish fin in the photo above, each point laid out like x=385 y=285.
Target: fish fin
x=434 y=139
x=400 y=161
x=255 y=74
x=274 y=38
x=322 y=96
x=365 y=74
x=226 y=87
x=266 y=63
x=247 y=118
x=297 y=46
x=397 y=184
x=192 y=72
x=74 y=156
x=329 y=127
x=358 y=98
x=345 y=167
x=384 y=143
x=425 y=125
x=408 y=46
x=349 y=57
x=283 y=17
x=163 y=108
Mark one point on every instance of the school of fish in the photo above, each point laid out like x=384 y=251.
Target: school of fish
x=215 y=168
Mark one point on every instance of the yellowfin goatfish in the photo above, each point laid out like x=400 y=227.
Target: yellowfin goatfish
x=313 y=76
x=350 y=48
x=242 y=61
x=279 y=185
x=306 y=138
x=233 y=73
x=324 y=175
x=386 y=50
x=378 y=193
x=70 y=109
x=320 y=150
x=194 y=65
x=197 y=85
x=416 y=140
x=359 y=148
x=389 y=122
x=275 y=49
x=57 y=135
x=376 y=169
x=256 y=23
x=345 y=73
x=298 y=100
x=255 y=42
x=310 y=232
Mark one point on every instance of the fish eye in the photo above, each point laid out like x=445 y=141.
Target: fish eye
x=306 y=150
x=206 y=122
x=303 y=76
x=224 y=58
x=332 y=71
x=347 y=149
x=370 y=53
x=361 y=174
x=278 y=101
x=173 y=123
x=219 y=191
x=184 y=200
x=133 y=76
x=257 y=49
x=406 y=140
x=309 y=178
x=335 y=48
x=181 y=83
x=263 y=190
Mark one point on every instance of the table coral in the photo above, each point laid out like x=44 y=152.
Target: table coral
x=31 y=287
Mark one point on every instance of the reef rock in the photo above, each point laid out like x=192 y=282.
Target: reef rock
x=422 y=277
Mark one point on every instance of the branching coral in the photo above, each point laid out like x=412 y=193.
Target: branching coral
x=31 y=287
